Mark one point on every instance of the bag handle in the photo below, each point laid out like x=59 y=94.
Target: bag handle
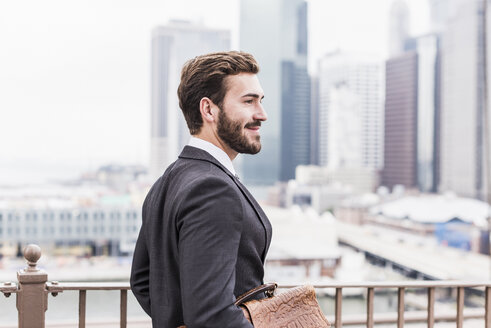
x=268 y=289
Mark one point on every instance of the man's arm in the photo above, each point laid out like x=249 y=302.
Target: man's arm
x=210 y=226
x=140 y=270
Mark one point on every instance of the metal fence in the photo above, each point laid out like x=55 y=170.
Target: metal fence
x=32 y=290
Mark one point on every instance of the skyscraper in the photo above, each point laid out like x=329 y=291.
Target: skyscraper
x=314 y=120
x=278 y=39
x=350 y=88
x=441 y=11
x=412 y=116
x=401 y=121
x=428 y=115
x=462 y=135
x=398 y=27
x=172 y=46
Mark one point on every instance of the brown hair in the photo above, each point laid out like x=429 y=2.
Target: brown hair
x=204 y=76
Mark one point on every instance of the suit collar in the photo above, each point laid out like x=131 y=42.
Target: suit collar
x=219 y=154
x=191 y=152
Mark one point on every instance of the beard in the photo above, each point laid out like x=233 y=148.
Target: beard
x=232 y=133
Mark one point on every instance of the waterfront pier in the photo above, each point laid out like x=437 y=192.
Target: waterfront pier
x=416 y=260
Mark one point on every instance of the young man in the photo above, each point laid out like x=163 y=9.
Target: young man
x=204 y=237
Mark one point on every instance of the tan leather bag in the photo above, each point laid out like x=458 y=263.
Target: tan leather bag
x=296 y=307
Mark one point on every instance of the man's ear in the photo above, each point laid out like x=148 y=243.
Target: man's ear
x=207 y=110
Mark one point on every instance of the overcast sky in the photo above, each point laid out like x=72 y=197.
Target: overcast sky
x=75 y=75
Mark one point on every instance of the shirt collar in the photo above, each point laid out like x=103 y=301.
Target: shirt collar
x=214 y=151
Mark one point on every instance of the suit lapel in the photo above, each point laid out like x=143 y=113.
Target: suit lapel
x=196 y=153
x=257 y=208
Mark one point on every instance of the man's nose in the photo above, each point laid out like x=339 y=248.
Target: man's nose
x=260 y=114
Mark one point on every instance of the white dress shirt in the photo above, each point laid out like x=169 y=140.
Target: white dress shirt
x=214 y=151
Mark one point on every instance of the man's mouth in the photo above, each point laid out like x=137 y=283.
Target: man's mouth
x=253 y=126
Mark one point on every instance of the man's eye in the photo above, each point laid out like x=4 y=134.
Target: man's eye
x=249 y=101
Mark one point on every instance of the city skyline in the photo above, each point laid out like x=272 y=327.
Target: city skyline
x=76 y=81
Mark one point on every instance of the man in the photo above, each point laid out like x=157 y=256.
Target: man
x=204 y=237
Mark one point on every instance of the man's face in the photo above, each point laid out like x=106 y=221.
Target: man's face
x=241 y=114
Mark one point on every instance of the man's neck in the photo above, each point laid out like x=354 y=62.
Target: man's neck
x=214 y=139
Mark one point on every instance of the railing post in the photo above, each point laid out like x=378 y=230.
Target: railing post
x=32 y=298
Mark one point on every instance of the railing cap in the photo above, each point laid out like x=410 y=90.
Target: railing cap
x=32 y=253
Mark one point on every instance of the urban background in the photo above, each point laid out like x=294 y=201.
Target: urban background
x=374 y=152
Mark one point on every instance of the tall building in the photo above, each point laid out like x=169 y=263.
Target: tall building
x=441 y=11
x=398 y=27
x=350 y=111
x=462 y=134
x=428 y=115
x=278 y=40
x=412 y=116
x=172 y=46
x=401 y=121
x=314 y=120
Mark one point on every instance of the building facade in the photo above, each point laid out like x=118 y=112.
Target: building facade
x=398 y=27
x=463 y=152
x=95 y=226
x=401 y=121
x=412 y=111
x=350 y=89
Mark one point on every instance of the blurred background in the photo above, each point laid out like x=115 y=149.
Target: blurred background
x=375 y=153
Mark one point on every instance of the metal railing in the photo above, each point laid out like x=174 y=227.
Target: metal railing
x=402 y=316
x=55 y=287
x=32 y=291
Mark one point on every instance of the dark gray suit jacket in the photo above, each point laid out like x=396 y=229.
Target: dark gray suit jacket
x=203 y=242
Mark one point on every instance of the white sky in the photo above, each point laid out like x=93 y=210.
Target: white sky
x=75 y=75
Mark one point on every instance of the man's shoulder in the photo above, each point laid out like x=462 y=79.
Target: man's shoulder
x=185 y=172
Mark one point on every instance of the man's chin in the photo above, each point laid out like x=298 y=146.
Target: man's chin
x=250 y=149
x=254 y=149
